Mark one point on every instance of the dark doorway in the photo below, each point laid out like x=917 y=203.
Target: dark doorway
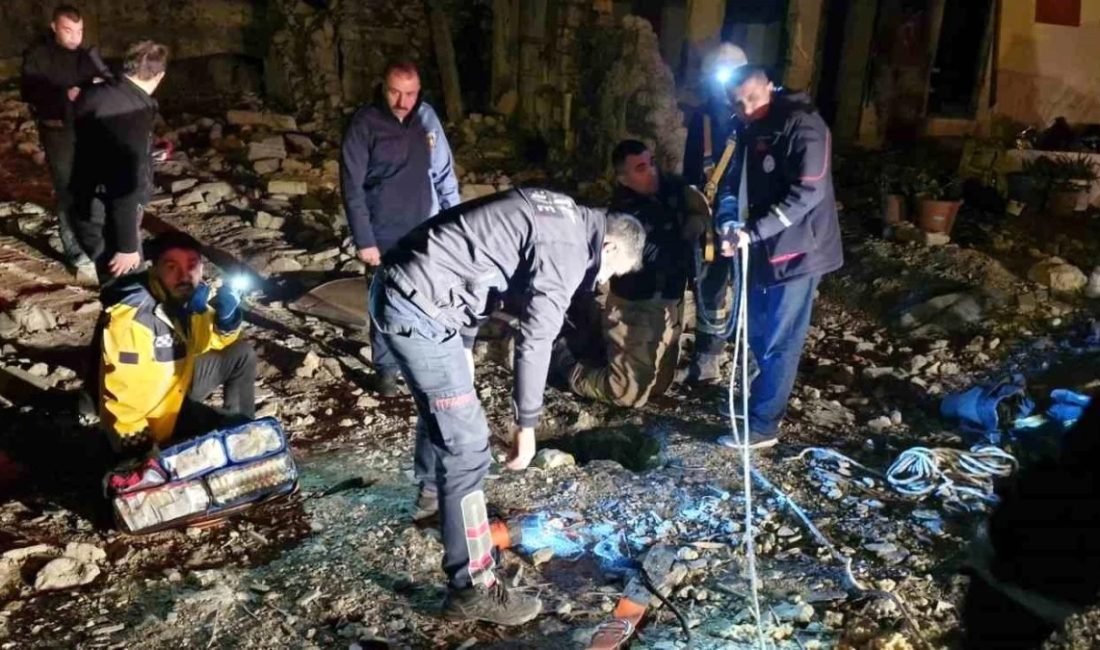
x=836 y=18
x=960 y=57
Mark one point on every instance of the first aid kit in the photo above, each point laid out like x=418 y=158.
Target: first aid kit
x=203 y=478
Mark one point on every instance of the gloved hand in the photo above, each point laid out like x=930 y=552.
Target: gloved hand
x=227 y=309
x=196 y=304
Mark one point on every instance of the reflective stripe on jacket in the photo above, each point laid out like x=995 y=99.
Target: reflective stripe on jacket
x=148 y=358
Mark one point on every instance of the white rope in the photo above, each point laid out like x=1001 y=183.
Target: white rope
x=741 y=355
x=963 y=479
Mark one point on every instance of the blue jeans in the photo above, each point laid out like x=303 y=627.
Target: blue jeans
x=779 y=319
x=452 y=434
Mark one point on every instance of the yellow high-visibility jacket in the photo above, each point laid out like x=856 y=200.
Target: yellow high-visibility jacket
x=147 y=360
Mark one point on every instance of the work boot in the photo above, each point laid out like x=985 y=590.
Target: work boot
x=493 y=604
x=385 y=384
x=704 y=369
x=427 y=504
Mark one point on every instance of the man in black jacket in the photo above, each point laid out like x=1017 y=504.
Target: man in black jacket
x=112 y=175
x=638 y=328
x=777 y=199
x=55 y=72
x=539 y=247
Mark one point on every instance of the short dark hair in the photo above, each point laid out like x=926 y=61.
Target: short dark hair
x=626 y=148
x=145 y=60
x=170 y=240
x=66 y=11
x=404 y=67
x=749 y=71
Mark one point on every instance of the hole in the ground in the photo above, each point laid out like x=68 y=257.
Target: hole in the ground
x=629 y=445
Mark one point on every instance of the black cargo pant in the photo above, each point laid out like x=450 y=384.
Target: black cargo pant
x=234 y=370
x=59 y=143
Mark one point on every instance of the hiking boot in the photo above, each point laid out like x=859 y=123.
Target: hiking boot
x=704 y=369
x=427 y=505
x=493 y=604
x=756 y=441
x=385 y=384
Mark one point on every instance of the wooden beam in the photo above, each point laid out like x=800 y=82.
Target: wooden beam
x=859 y=32
x=445 y=58
x=505 y=47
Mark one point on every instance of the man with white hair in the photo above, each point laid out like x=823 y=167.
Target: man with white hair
x=538 y=247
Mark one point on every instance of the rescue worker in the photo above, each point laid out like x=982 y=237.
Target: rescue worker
x=539 y=246
x=113 y=171
x=708 y=131
x=396 y=171
x=777 y=200
x=642 y=316
x=167 y=346
x=54 y=74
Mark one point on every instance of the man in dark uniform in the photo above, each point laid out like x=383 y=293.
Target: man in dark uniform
x=639 y=325
x=396 y=171
x=777 y=200
x=54 y=74
x=113 y=172
x=539 y=247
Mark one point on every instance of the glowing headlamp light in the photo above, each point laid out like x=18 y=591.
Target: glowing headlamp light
x=723 y=74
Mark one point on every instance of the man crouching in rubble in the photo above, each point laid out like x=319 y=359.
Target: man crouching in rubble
x=639 y=329
x=533 y=244
x=167 y=346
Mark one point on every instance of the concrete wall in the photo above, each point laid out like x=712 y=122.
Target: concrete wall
x=1046 y=71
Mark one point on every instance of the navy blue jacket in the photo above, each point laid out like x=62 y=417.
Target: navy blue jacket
x=394 y=175
x=792 y=217
x=533 y=245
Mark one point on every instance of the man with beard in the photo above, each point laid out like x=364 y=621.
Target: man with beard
x=167 y=346
x=55 y=72
x=396 y=171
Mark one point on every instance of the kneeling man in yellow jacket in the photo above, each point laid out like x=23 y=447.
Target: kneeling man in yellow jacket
x=167 y=346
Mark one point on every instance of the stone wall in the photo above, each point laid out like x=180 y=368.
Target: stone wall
x=192 y=29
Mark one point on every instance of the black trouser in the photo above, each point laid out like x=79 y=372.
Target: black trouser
x=234 y=370
x=60 y=147
x=96 y=234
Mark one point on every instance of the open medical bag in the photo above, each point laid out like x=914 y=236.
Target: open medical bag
x=203 y=478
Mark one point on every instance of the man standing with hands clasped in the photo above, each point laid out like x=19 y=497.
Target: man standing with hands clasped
x=396 y=171
x=777 y=200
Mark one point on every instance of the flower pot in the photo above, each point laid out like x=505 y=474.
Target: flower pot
x=938 y=216
x=893 y=209
x=1023 y=192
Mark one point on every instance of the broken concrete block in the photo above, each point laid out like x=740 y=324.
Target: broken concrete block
x=256 y=118
x=301 y=143
x=935 y=238
x=19 y=554
x=310 y=363
x=283 y=265
x=8 y=327
x=1059 y=275
x=287 y=187
x=34 y=319
x=266 y=166
x=553 y=458
x=85 y=552
x=194 y=197
x=214 y=192
x=295 y=166
x=267 y=221
x=183 y=184
x=272 y=147
x=65 y=573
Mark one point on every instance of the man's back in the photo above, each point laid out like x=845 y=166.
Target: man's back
x=114 y=123
x=499 y=243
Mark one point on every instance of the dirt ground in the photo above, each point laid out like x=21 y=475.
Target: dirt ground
x=350 y=569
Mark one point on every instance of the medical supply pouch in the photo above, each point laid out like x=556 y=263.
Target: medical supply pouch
x=196 y=480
